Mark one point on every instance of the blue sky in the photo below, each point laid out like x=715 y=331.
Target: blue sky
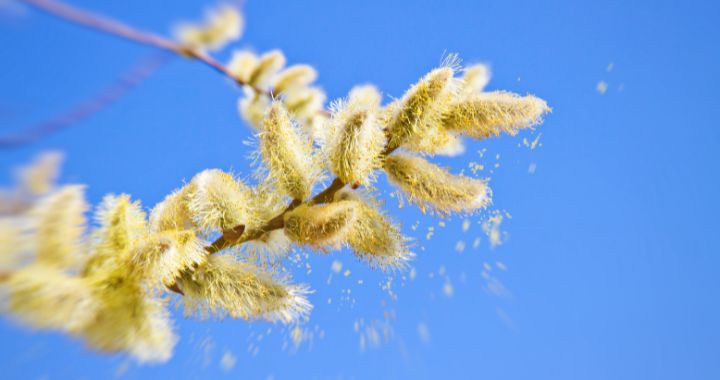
x=611 y=254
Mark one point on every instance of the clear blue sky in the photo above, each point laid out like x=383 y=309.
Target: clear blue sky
x=612 y=257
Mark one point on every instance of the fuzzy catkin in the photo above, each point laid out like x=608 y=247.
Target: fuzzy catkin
x=304 y=102
x=440 y=141
x=267 y=67
x=59 y=224
x=216 y=201
x=421 y=107
x=39 y=177
x=365 y=95
x=122 y=223
x=373 y=237
x=357 y=144
x=474 y=79
x=221 y=26
x=242 y=64
x=172 y=213
x=293 y=77
x=433 y=188
x=44 y=297
x=287 y=154
x=224 y=286
x=321 y=226
x=253 y=107
x=130 y=317
x=160 y=258
x=492 y=113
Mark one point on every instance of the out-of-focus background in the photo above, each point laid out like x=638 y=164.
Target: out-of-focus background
x=608 y=263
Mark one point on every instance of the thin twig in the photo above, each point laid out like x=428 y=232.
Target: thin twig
x=226 y=241
x=107 y=25
x=129 y=80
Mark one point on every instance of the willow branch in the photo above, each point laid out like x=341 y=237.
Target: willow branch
x=110 y=26
x=121 y=86
x=103 y=24
x=226 y=241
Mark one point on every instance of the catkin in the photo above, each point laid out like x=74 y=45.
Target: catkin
x=365 y=95
x=440 y=141
x=492 y=113
x=242 y=64
x=421 y=107
x=59 y=223
x=129 y=318
x=218 y=202
x=39 y=177
x=160 y=258
x=474 y=79
x=433 y=188
x=122 y=223
x=357 y=144
x=224 y=286
x=253 y=107
x=172 y=214
x=296 y=76
x=44 y=297
x=321 y=226
x=287 y=154
x=267 y=67
x=304 y=102
x=373 y=237
x=221 y=26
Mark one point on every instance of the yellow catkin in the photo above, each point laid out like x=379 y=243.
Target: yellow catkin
x=59 y=224
x=242 y=64
x=492 y=113
x=321 y=226
x=15 y=243
x=39 y=177
x=267 y=67
x=224 y=286
x=438 y=141
x=366 y=95
x=218 y=202
x=122 y=223
x=287 y=154
x=421 y=107
x=172 y=214
x=221 y=26
x=253 y=107
x=305 y=102
x=373 y=237
x=433 y=188
x=474 y=79
x=357 y=143
x=44 y=297
x=161 y=257
x=296 y=76
x=318 y=128
x=129 y=318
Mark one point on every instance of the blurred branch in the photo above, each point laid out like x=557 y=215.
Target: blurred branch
x=103 y=24
x=129 y=80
